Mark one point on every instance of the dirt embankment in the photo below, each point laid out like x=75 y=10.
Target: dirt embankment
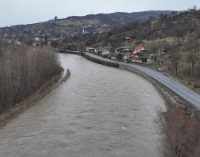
x=182 y=125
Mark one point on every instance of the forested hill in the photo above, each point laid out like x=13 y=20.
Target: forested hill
x=77 y=25
x=177 y=25
x=118 y=18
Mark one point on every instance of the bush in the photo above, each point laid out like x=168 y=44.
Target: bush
x=22 y=71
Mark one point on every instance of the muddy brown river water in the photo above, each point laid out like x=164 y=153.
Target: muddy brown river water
x=98 y=112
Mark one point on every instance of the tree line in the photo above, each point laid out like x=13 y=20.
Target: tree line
x=23 y=70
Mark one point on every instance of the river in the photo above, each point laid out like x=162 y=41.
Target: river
x=99 y=112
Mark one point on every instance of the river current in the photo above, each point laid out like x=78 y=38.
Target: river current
x=99 y=112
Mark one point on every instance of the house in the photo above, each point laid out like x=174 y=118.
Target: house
x=39 y=40
x=141 y=55
x=122 y=53
x=36 y=41
x=88 y=30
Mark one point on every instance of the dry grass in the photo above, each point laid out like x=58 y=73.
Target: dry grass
x=183 y=131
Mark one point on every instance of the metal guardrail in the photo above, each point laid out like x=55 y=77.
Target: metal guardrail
x=69 y=51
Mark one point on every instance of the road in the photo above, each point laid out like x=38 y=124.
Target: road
x=99 y=112
x=181 y=90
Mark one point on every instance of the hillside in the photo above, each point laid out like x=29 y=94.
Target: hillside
x=176 y=25
x=173 y=40
x=77 y=25
x=118 y=18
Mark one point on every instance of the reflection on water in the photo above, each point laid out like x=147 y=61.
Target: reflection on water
x=98 y=112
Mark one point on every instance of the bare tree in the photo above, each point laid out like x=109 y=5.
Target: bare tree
x=23 y=70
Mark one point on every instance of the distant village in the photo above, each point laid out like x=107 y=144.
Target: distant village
x=31 y=35
x=21 y=35
x=54 y=32
x=39 y=34
x=136 y=54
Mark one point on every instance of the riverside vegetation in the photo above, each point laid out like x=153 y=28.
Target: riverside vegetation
x=23 y=70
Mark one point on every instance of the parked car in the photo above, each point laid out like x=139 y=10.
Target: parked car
x=105 y=54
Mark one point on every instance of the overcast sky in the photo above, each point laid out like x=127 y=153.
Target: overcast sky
x=14 y=12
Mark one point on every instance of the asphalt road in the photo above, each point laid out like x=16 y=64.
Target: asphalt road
x=181 y=90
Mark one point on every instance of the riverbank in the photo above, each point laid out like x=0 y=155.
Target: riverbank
x=181 y=120
x=45 y=89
